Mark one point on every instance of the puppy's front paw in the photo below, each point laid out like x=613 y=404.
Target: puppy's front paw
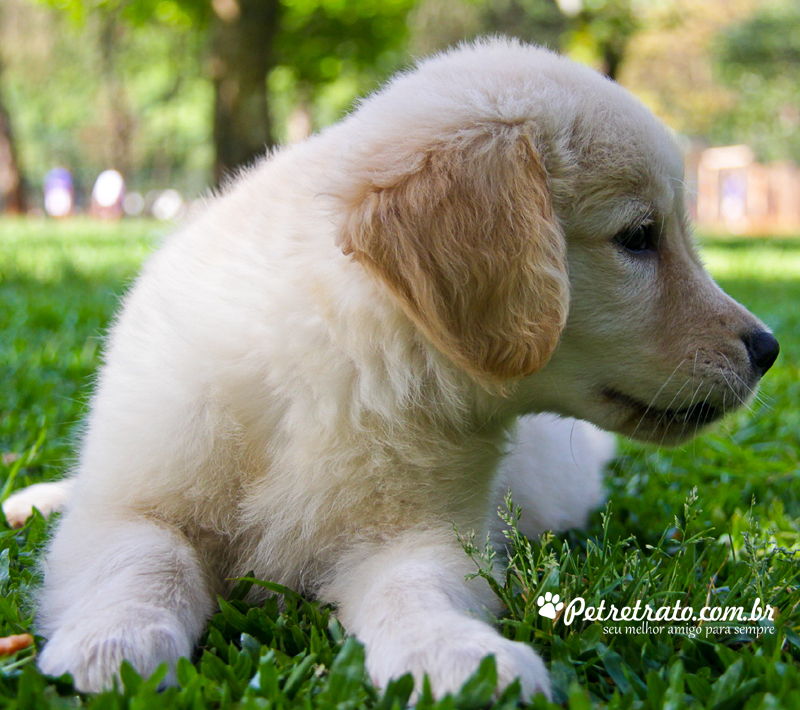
x=449 y=655
x=46 y=497
x=92 y=648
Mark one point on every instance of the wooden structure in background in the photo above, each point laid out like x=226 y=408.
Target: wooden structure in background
x=733 y=193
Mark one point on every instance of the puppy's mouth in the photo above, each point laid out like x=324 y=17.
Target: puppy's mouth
x=672 y=424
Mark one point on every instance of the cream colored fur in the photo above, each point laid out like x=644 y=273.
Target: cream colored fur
x=317 y=376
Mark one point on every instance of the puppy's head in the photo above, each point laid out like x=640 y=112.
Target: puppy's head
x=528 y=215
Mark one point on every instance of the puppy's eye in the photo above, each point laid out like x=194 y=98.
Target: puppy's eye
x=638 y=239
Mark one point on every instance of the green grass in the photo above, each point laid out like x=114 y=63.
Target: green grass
x=733 y=541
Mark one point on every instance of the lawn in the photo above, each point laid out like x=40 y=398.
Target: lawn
x=711 y=524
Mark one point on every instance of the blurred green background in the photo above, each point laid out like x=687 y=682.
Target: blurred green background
x=179 y=93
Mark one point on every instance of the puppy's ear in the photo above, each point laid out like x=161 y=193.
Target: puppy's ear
x=468 y=243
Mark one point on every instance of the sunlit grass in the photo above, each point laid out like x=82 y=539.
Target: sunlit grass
x=762 y=258
x=48 y=251
x=60 y=284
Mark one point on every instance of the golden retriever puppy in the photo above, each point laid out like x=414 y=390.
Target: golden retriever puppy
x=316 y=377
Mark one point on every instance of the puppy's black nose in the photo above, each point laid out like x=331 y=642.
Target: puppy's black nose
x=763 y=348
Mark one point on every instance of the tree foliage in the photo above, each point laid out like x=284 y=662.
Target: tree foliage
x=759 y=59
x=316 y=42
x=436 y=24
x=767 y=43
x=180 y=14
x=137 y=83
x=319 y=39
x=60 y=99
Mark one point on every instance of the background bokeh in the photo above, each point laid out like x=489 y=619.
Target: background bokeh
x=180 y=93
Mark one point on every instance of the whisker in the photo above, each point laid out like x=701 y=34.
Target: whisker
x=662 y=419
x=669 y=407
x=702 y=420
x=655 y=397
x=733 y=391
x=758 y=397
x=688 y=407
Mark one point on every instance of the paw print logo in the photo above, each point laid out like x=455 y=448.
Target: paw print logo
x=549 y=605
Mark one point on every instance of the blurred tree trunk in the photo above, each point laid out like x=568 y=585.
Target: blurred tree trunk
x=12 y=186
x=241 y=58
x=611 y=24
x=613 y=54
x=120 y=118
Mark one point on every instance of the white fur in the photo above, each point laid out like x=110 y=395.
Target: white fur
x=554 y=471
x=267 y=404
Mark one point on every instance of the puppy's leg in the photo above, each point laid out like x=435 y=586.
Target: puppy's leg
x=554 y=470
x=409 y=604
x=119 y=589
x=47 y=498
